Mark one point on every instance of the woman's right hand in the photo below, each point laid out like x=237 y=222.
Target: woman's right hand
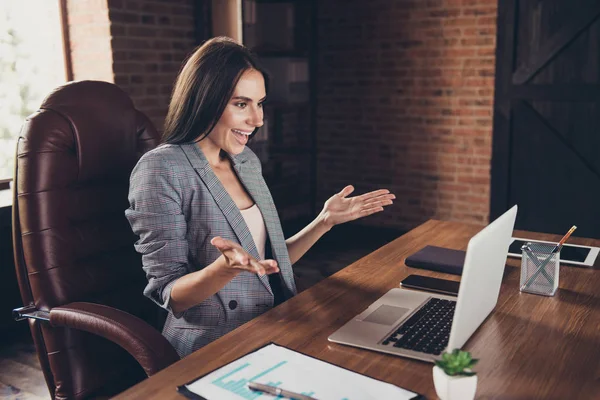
x=236 y=258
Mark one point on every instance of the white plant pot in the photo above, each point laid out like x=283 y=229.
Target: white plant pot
x=454 y=387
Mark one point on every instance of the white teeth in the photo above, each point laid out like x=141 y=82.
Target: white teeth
x=242 y=132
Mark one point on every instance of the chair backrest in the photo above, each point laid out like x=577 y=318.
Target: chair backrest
x=72 y=241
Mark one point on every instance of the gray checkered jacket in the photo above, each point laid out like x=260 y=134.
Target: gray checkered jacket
x=177 y=205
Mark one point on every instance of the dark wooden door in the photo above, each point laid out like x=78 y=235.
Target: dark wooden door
x=546 y=146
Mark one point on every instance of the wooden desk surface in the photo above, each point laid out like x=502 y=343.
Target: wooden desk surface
x=530 y=347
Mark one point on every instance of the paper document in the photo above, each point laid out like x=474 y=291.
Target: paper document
x=281 y=367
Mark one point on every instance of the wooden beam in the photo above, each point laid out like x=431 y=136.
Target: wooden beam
x=64 y=22
x=541 y=124
x=557 y=92
x=583 y=18
x=227 y=19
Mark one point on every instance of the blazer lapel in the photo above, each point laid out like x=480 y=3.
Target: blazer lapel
x=224 y=202
x=254 y=183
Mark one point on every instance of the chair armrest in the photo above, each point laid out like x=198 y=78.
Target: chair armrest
x=151 y=349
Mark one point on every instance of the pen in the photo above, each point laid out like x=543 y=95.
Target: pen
x=537 y=263
x=554 y=250
x=275 y=391
x=564 y=239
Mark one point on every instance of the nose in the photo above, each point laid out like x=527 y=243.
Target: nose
x=256 y=117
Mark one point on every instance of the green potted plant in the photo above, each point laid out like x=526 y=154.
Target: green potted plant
x=453 y=378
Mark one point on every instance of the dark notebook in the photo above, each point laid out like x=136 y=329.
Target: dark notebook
x=438 y=259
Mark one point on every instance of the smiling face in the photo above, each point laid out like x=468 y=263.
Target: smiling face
x=243 y=114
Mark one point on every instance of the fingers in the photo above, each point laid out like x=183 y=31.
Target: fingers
x=265 y=267
x=222 y=244
x=384 y=200
x=369 y=211
x=373 y=194
x=270 y=266
x=239 y=258
x=346 y=191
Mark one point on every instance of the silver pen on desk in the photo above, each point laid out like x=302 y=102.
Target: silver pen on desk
x=275 y=391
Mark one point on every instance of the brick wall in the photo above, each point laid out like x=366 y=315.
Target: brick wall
x=150 y=40
x=137 y=44
x=405 y=93
x=89 y=33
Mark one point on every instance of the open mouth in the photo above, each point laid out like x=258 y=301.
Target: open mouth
x=241 y=136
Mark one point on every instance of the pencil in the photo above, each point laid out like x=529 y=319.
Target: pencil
x=564 y=239
x=544 y=262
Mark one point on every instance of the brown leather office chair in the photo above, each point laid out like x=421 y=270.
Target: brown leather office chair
x=80 y=279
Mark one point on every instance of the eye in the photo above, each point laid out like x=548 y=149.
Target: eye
x=260 y=105
x=241 y=105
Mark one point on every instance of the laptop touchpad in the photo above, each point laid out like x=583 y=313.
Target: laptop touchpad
x=386 y=315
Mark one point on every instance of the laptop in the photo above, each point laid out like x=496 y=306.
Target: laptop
x=423 y=325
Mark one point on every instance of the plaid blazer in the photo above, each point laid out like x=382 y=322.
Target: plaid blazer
x=177 y=205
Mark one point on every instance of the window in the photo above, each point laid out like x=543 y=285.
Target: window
x=32 y=64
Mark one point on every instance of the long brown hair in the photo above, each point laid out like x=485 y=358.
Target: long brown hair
x=204 y=87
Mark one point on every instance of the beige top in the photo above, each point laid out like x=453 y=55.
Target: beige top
x=256 y=225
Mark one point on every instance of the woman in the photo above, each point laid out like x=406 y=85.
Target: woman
x=211 y=242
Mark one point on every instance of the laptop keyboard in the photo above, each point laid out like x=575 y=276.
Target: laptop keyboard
x=428 y=330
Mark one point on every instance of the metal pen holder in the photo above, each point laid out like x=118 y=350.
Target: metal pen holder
x=539 y=269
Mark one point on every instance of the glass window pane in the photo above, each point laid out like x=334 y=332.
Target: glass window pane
x=31 y=65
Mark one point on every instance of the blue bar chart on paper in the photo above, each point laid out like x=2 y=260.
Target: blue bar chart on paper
x=292 y=371
x=240 y=386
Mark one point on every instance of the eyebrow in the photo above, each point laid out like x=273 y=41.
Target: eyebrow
x=248 y=99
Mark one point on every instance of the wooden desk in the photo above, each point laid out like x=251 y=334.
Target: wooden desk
x=531 y=347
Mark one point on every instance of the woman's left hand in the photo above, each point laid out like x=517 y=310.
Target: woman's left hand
x=340 y=208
